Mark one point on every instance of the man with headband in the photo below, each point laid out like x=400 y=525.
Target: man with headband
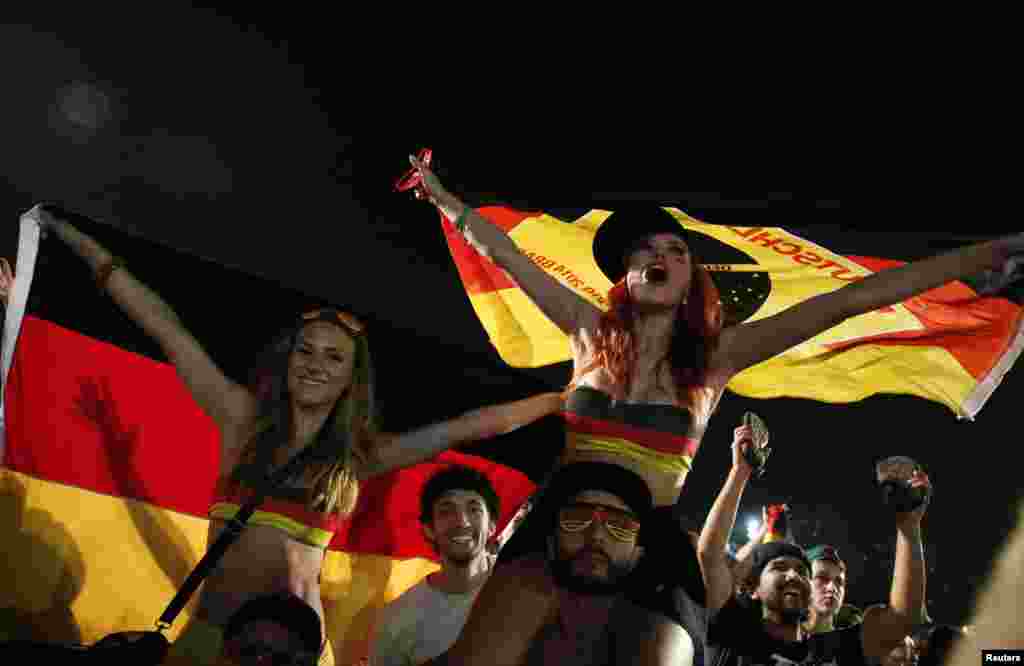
x=768 y=629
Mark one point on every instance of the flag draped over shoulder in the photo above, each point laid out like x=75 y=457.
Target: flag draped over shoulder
x=947 y=345
x=108 y=471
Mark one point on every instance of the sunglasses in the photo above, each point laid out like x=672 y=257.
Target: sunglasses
x=348 y=322
x=619 y=524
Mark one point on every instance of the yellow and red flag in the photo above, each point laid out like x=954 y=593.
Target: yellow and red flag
x=947 y=345
x=108 y=471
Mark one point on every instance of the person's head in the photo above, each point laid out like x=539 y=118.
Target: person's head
x=459 y=509
x=321 y=362
x=276 y=629
x=828 y=581
x=596 y=512
x=322 y=359
x=659 y=271
x=781 y=576
x=645 y=254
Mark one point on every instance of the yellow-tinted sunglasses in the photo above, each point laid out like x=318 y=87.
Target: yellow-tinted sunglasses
x=619 y=524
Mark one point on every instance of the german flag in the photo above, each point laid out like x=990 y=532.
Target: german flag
x=109 y=466
x=947 y=345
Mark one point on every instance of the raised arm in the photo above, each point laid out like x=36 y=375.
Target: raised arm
x=569 y=311
x=748 y=344
x=391 y=452
x=718 y=579
x=228 y=403
x=885 y=626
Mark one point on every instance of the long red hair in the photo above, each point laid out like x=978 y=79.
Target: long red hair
x=695 y=337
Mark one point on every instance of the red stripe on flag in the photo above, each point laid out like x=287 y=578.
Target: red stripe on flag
x=479 y=274
x=651 y=439
x=977 y=331
x=387 y=519
x=87 y=413
x=92 y=415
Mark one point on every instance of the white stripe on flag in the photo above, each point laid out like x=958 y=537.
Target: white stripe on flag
x=17 y=300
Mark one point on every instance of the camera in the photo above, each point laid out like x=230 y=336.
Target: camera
x=893 y=478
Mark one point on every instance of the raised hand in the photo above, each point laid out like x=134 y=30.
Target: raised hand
x=1009 y=271
x=750 y=444
x=912 y=518
x=422 y=181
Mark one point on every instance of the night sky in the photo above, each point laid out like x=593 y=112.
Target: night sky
x=269 y=144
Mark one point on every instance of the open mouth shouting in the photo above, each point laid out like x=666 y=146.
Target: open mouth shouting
x=654 y=273
x=793 y=593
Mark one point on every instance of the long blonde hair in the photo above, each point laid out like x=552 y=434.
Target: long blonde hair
x=349 y=430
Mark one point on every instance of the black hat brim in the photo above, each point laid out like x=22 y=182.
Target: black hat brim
x=623 y=228
x=578 y=477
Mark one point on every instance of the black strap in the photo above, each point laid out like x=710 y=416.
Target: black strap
x=234 y=529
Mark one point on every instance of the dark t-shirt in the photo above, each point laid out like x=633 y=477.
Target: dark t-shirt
x=736 y=637
x=668 y=580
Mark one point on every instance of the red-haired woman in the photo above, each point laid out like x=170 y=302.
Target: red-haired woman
x=649 y=372
x=315 y=385
x=661 y=348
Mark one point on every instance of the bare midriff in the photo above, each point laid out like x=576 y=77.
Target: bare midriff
x=264 y=560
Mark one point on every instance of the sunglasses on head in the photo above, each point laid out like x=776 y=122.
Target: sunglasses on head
x=334 y=316
x=620 y=525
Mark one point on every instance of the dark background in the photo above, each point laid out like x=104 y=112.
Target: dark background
x=269 y=143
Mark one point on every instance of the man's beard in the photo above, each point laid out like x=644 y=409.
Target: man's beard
x=460 y=559
x=789 y=615
x=794 y=616
x=565 y=577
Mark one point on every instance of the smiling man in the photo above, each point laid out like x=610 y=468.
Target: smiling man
x=768 y=629
x=459 y=511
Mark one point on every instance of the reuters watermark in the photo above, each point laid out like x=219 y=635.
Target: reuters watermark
x=1002 y=656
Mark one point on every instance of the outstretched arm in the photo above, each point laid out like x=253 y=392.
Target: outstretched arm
x=569 y=311
x=391 y=452
x=228 y=403
x=748 y=344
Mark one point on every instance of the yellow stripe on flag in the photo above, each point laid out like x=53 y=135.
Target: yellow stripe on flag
x=951 y=347
x=79 y=565
x=858 y=372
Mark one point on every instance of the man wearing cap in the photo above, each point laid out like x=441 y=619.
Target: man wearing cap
x=569 y=606
x=828 y=587
x=768 y=629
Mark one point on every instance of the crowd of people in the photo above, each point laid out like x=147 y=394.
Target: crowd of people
x=622 y=577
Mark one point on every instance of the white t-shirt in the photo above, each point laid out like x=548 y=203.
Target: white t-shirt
x=419 y=625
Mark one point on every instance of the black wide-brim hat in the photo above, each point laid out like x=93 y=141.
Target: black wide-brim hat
x=575 y=478
x=618 y=234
